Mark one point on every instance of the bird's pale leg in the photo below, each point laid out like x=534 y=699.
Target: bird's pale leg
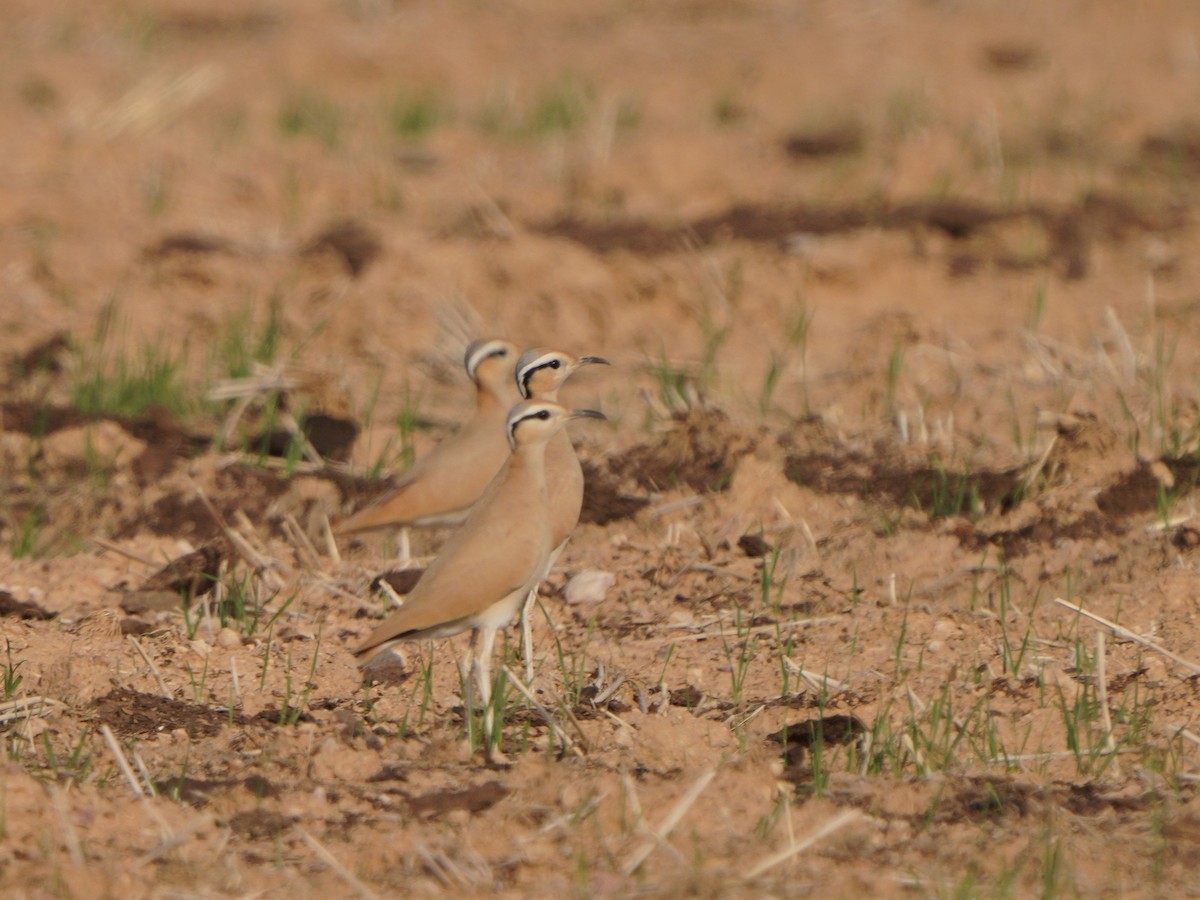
x=404 y=549
x=483 y=672
x=465 y=673
x=527 y=621
x=527 y=633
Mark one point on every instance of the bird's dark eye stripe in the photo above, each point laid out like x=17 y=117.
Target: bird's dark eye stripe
x=542 y=414
x=528 y=372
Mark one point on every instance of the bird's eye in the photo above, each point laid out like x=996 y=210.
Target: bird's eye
x=543 y=414
x=554 y=364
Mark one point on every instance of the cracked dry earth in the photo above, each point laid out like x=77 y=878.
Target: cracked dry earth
x=901 y=300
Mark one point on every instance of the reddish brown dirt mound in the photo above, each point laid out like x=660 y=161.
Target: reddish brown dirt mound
x=134 y=714
x=700 y=449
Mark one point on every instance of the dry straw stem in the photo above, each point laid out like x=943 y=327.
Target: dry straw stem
x=264 y=380
x=297 y=467
x=157 y=100
x=906 y=742
x=454 y=875
x=178 y=839
x=1066 y=754
x=746 y=719
x=235 y=684
x=607 y=693
x=673 y=818
x=1131 y=636
x=303 y=544
x=1102 y=692
x=821 y=833
x=330 y=544
x=122 y=761
x=70 y=836
x=393 y=597
x=570 y=718
x=121 y=551
x=334 y=587
x=675 y=505
x=566 y=820
x=127 y=770
x=330 y=860
x=632 y=803
x=239 y=543
x=26 y=707
x=142 y=768
x=544 y=713
x=494 y=220
x=1184 y=733
x=749 y=632
x=293 y=427
x=1170 y=522
x=249 y=532
x=818 y=682
x=153 y=668
x=710 y=569
x=1124 y=344
x=1036 y=469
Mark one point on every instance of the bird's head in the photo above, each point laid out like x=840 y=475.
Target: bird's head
x=541 y=372
x=536 y=421
x=489 y=363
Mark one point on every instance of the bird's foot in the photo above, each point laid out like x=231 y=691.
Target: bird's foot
x=496 y=759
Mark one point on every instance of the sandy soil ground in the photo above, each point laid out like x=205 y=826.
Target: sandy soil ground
x=902 y=303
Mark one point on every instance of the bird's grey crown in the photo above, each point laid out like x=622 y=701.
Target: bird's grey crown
x=478 y=351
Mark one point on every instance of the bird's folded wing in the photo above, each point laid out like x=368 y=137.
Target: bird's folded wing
x=465 y=579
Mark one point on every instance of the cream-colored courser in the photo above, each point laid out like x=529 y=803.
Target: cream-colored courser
x=488 y=567
x=440 y=488
x=540 y=373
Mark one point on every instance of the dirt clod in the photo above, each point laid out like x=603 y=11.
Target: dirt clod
x=45 y=356
x=798 y=738
x=191 y=575
x=700 y=449
x=754 y=545
x=355 y=244
x=131 y=713
x=472 y=799
x=260 y=824
x=836 y=140
x=400 y=580
x=331 y=437
x=22 y=609
x=603 y=500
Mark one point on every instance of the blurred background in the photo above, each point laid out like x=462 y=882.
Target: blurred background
x=939 y=209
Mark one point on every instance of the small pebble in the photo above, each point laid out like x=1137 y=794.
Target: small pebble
x=228 y=639
x=944 y=628
x=589 y=586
